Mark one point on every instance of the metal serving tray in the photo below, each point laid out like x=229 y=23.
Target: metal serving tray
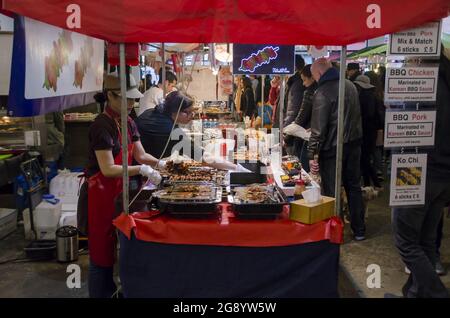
x=190 y=207
x=259 y=210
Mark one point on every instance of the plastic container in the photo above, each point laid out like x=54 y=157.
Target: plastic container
x=46 y=217
x=8 y=221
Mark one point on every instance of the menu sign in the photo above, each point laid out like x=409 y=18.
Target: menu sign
x=408 y=179
x=421 y=41
x=409 y=129
x=411 y=84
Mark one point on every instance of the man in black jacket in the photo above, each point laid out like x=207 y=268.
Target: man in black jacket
x=368 y=103
x=415 y=228
x=293 y=95
x=293 y=101
x=323 y=140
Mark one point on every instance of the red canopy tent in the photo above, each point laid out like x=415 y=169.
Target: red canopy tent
x=313 y=22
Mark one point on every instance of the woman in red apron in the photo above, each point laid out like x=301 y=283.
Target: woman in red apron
x=104 y=181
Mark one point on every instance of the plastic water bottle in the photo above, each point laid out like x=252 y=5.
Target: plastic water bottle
x=46 y=217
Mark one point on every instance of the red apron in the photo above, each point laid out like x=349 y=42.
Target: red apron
x=102 y=193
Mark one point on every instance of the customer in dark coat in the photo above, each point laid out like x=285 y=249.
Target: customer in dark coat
x=376 y=80
x=248 y=104
x=368 y=103
x=293 y=95
x=353 y=71
x=323 y=140
x=415 y=228
x=293 y=101
x=303 y=118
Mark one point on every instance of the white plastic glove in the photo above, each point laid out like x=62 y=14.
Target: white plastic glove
x=240 y=168
x=151 y=174
x=162 y=165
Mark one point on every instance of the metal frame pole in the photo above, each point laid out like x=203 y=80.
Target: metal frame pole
x=124 y=127
x=163 y=68
x=340 y=130
x=263 y=79
x=281 y=107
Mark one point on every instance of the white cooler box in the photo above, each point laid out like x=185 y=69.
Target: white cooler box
x=8 y=221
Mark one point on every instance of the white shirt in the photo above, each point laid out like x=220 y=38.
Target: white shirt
x=152 y=98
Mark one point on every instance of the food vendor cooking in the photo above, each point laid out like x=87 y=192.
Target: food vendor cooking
x=104 y=181
x=161 y=137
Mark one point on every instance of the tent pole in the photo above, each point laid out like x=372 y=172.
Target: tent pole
x=281 y=107
x=340 y=130
x=163 y=70
x=124 y=127
x=263 y=79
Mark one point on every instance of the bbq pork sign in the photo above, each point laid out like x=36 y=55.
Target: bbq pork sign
x=411 y=84
x=421 y=41
x=409 y=129
x=263 y=59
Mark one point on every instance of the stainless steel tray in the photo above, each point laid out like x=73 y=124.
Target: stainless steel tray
x=214 y=195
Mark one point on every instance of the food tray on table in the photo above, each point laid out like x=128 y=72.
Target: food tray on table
x=189 y=199
x=201 y=174
x=257 y=201
x=291 y=165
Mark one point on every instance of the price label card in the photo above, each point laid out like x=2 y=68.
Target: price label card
x=411 y=84
x=409 y=129
x=408 y=179
x=421 y=41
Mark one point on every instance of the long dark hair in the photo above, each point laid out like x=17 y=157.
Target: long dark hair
x=306 y=71
x=247 y=83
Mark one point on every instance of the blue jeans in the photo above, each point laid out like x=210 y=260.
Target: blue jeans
x=415 y=232
x=100 y=281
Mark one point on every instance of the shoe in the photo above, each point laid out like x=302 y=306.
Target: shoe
x=440 y=269
x=359 y=238
x=407 y=271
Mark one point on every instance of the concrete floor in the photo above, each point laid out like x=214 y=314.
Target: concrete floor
x=379 y=249
x=48 y=279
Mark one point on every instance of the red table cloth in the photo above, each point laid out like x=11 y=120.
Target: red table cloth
x=227 y=230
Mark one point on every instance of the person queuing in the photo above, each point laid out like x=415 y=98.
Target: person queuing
x=156 y=129
x=248 y=103
x=416 y=228
x=353 y=71
x=155 y=95
x=368 y=103
x=96 y=206
x=375 y=80
x=303 y=118
x=323 y=140
x=293 y=101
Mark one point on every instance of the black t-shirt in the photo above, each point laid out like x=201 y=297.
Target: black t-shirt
x=104 y=135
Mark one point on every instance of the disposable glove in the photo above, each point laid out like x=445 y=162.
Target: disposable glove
x=151 y=174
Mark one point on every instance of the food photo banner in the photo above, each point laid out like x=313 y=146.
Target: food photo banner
x=52 y=69
x=249 y=59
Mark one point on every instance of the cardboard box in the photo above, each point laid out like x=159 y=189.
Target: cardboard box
x=310 y=213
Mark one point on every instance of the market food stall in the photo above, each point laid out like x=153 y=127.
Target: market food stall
x=224 y=255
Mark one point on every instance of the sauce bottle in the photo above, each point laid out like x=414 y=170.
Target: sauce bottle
x=299 y=188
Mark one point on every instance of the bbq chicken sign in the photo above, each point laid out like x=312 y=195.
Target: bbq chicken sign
x=263 y=59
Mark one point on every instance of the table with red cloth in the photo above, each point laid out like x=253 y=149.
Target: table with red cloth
x=165 y=257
